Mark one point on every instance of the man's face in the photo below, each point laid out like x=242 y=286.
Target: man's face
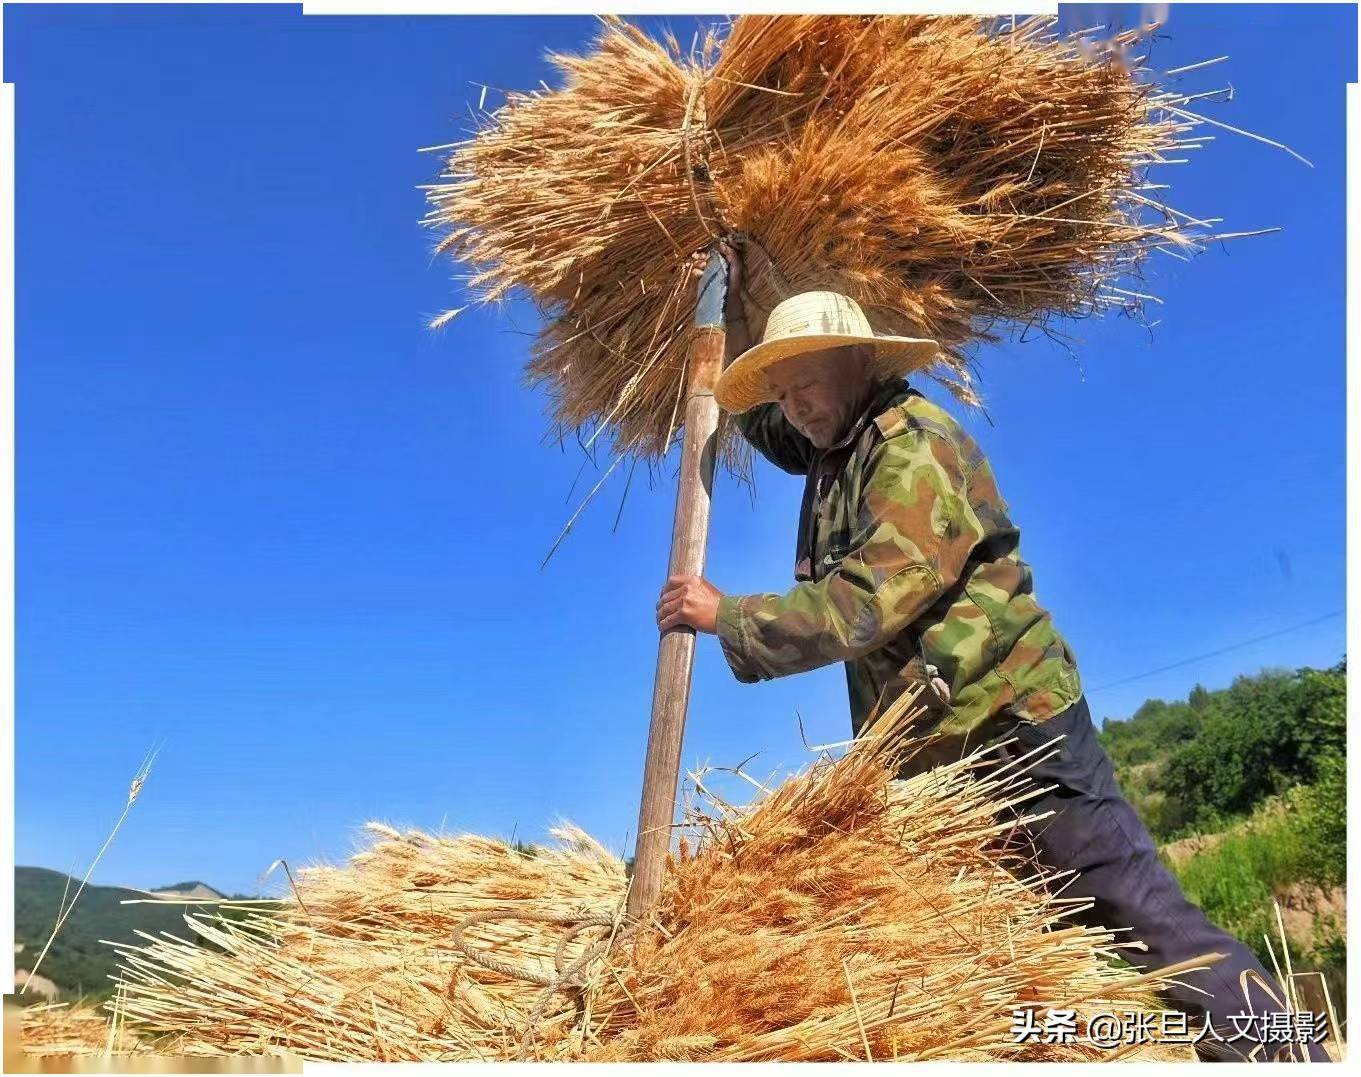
x=819 y=391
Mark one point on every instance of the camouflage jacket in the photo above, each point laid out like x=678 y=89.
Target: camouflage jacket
x=909 y=572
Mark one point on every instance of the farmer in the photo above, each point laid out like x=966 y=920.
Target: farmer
x=908 y=570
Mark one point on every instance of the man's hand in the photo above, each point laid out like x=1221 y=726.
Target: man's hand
x=733 y=256
x=688 y=600
x=741 y=257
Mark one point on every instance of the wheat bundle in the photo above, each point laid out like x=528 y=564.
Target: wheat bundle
x=59 y=1028
x=954 y=174
x=842 y=915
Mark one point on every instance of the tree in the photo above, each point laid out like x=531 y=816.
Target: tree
x=1261 y=736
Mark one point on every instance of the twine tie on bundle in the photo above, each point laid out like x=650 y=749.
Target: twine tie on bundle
x=565 y=976
x=694 y=100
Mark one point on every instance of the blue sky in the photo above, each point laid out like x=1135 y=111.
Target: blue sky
x=265 y=517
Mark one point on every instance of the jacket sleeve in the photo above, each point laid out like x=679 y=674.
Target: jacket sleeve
x=914 y=534
x=774 y=437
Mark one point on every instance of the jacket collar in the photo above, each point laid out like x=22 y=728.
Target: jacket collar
x=827 y=461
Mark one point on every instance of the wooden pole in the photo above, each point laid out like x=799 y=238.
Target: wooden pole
x=689 y=540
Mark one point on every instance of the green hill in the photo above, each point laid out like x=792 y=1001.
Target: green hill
x=78 y=963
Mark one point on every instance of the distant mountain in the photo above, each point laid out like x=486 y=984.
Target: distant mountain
x=192 y=889
x=78 y=961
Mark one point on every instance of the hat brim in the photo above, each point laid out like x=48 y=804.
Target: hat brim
x=743 y=385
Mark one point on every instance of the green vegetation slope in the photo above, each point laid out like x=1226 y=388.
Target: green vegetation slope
x=78 y=962
x=1246 y=789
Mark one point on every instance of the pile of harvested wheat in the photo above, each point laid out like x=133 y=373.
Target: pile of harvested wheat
x=842 y=915
x=60 y=1028
x=955 y=175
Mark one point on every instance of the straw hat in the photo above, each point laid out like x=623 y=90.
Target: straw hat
x=807 y=322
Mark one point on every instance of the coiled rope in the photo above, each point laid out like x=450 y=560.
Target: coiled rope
x=566 y=976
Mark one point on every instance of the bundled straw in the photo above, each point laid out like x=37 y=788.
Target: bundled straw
x=843 y=915
x=953 y=174
x=58 y=1028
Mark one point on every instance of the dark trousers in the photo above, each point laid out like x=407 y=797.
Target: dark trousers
x=1096 y=833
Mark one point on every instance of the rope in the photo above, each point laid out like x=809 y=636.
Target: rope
x=693 y=98
x=778 y=281
x=566 y=976
x=696 y=117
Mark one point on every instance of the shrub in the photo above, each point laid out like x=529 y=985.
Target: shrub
x=1260 y=737
x=1321 y=820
